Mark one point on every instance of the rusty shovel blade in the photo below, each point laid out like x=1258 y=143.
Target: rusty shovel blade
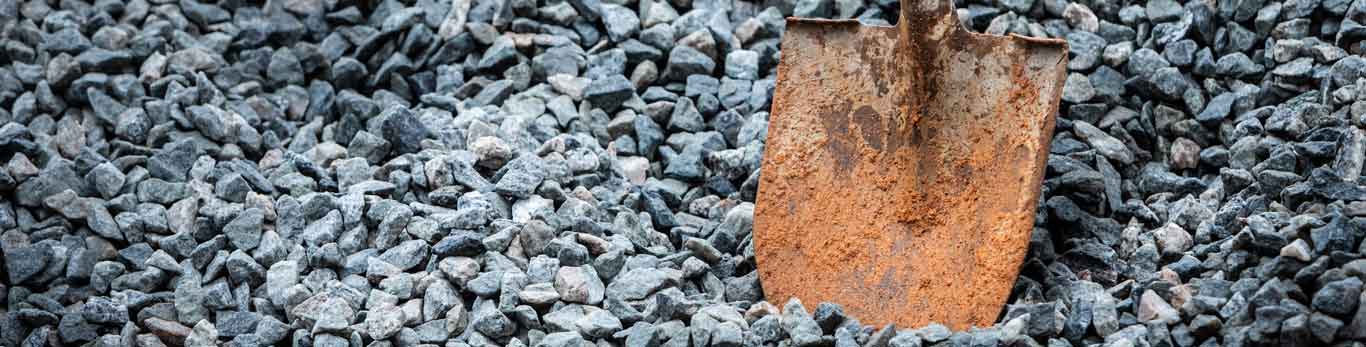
x=903 y=166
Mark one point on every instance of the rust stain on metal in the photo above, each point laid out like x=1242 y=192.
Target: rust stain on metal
x=903 y=165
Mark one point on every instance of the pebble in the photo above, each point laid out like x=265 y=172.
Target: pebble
x=742 y=64
x=1172 y=239
x=621 y=22
x=1338 y=298
x=812 y=8
x=1080 y=17
x=1298 y=250
x=202 y=335
x=687 y=61
x=609 y=93
x=579 y=285
x=244 y=231
x=1103 y=142
x=406 y=255
x=1077 y=89
x=1152 y=308
x=384 y=321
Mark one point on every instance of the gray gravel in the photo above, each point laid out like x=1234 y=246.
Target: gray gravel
x=582 y=172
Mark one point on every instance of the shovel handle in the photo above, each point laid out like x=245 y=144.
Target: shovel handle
x=920 y=17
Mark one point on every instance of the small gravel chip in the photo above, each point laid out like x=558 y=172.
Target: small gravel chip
x=232 y=188
x=1077 y=89
x=22 y=263
x=97 y=217
x=1172 y=239
x=244 y=231
x=620 y=21
x=1163 y=10
x=383 y=322
x=799 y=325
x=519 y=182
x=1298 y=250
x=327 y=340
x=489 y=321
x=460 y=243
x=493 y=94
x=317 y=306
x=579 y=285
x=1152 y=308
x=609 y=93
x=742 y=64
x=813 y=8
x=902 y=339
x=1078 y=16
x=686 y=61
x=499 y=56
x=202 y=335
x=829 y=316
x=538 y=294
x=562 y=339
x=403 y=130
x=104 y=311
x=1323 y=327
x=279 y=279
x=285 y=68
x=371 y=187
x=685 y=117
x=639 y=283
x=1338 y=298
x=934 y=333
x=172 y=163
x=1107 y=145
x=235 y=323
x=406 y=255
x=598 y=323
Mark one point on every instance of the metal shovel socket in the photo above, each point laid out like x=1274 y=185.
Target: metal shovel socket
x=903 y=166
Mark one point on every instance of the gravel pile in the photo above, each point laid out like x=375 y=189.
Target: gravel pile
x=576 y=172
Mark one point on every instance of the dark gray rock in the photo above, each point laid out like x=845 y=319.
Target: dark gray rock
x=685 y=61
x=173 y=162
x=610 y=92
x=244 y=231
x=620 y=21
x=459 y=243
x=23 y=262
x=406 y=255
x=1339 y=298
x=404 y=131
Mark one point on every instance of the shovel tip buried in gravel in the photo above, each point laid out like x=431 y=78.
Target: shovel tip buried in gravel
x=903 y=166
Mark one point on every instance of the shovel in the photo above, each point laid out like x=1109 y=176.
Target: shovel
x=903 y=166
